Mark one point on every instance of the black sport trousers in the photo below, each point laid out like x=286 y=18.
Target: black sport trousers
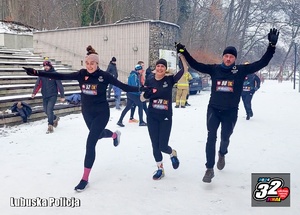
x=215 y=117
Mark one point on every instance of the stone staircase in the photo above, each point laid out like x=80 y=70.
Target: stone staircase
x=16 y=85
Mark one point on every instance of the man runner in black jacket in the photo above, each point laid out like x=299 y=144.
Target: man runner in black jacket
x=227 y=85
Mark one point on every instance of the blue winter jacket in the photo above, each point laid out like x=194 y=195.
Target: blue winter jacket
x=134 y=80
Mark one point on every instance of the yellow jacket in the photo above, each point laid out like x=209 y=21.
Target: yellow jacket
x=183 y=82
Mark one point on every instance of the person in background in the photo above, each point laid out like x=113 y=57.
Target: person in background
x=182 y=89
x=250 y=86
x=227 y=85
x=160 y=113
x=112 y=69
x=23 y=109
x=188 y=90
x=117 y=94
x=142 y=80
x=93 y=83
x=148 y=72
x=50 y=88
x=134 y=79
x=74 y=99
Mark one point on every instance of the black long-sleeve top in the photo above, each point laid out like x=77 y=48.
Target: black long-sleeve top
x=93 y=85
x=160 y=100
x=227 y=82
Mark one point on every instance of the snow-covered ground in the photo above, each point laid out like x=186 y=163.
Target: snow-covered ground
x=48 y=166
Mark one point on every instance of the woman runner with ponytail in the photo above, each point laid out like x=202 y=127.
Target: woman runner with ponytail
x=93 y=83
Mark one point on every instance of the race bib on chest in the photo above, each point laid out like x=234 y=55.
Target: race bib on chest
x=246 y=88
x=160 y=104
x=89 y=89
x=225 y=86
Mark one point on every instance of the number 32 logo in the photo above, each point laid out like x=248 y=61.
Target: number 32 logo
x=270 y=189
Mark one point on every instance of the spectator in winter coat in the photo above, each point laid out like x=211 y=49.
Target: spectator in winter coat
x=250 y=86
x=112 y=69
x=23 y=109
x=227 y=85
x=142 y=80
x=134 y=79
x=50 y=88
x=93 y=83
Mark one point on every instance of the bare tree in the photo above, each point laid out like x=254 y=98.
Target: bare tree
x=41 y=14
x=206 y=25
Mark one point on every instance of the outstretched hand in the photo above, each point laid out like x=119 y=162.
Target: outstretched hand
x=148 y=91
x=145 y=88
x=179 y=47
x=273 y=36
x=30 y=71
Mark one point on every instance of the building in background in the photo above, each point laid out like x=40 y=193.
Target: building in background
x=128 y=41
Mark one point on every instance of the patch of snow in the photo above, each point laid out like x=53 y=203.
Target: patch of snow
x=15 y=28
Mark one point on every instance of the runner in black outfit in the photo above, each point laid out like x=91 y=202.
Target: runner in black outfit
x=159 y=116
x=227 y=85
x=95 y=109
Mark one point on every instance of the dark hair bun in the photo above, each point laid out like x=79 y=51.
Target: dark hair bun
x=90 y=50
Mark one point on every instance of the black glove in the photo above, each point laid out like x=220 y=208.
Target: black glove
x=145 y=88
x=273 y=36
x=179 y=47
x=30 y=71
x=149 y=92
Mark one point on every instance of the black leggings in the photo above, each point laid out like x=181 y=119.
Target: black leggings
x=132 y=99
x=159 y=127
x=96 y=120
x=133 y=107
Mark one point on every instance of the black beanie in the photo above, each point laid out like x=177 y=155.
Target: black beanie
x=113 y=59
x=163 y=62
x=230 y=50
